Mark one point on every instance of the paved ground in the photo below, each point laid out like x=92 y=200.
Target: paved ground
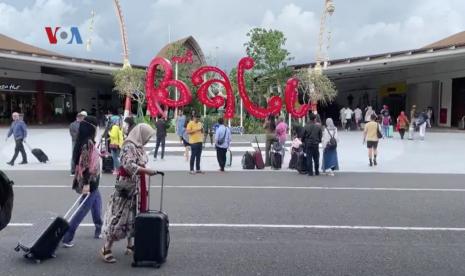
x=439 y=153
x=268 y=223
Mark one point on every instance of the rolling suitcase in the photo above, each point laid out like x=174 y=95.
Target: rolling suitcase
x=38 y=153
x=293 y=161
x=258 y=158
x=248 y=161
x=107 y=164
x=42 y=241
x=151 y=235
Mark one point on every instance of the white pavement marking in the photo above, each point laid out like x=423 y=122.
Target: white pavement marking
x=290 y=226
x=272 y=188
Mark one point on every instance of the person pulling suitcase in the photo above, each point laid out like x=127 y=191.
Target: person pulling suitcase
x=86 y=180
x=130 y=184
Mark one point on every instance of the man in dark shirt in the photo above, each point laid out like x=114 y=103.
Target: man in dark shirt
x=160 y=125
x=312 y=139
x=19 y=131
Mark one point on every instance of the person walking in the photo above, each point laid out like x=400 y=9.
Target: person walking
x=342 y=117
x=422 y=123
x=385 y=121
x=371 y=135
x=86 y=180
x=348 y=115
x=194 y=130
x=312 y=139
x=73 y=131
x=329 y=143
x=180 y=124
x=402 y=124
x=19 y=131
x=116 y=141
x=270 y=128
x=413 y=119
x=130 y=185
x=358 y=117
x=368 y=113
x=222 y=143
x=160 y=125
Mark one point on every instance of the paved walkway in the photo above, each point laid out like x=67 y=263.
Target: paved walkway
x=439 y=153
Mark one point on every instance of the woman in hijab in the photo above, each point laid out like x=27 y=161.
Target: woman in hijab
x=329 y=143
x=402 y=124
x=130 y=184
x=86 y=179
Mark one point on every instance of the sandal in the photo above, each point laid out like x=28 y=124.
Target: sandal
x=129 y=250
x=107 y=256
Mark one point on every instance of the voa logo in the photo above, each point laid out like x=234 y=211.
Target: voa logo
x=69 y=36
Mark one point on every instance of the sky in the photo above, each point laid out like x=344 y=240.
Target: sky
x=358 y=27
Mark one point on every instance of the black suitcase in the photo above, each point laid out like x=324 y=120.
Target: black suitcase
x=107 y=164
x=40 y=155
x=301 y=163
x=6 y=200
x=248 y=162
x=293 y=161
x=151 y=235
x=276 y=160
x=42 y=241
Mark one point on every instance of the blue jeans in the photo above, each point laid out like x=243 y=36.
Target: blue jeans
x=385 y=130
x=195 y=156
x=93 y=204
x=115 y=156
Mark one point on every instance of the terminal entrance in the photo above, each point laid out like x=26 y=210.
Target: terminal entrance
x=458 y=101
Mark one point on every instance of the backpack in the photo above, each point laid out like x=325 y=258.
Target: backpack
x=248 y=162
x=332 y=144
x=6 y=200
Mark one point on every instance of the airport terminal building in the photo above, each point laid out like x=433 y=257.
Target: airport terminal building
x=50 y=88
x=432 y=76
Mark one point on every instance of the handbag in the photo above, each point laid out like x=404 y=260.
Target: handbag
x=125 y=187
x=378 y=132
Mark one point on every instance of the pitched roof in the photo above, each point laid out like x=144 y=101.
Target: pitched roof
x=8 y=43
x=456 y=39
x=188 y=42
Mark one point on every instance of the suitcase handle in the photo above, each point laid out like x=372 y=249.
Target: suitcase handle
x=82 y=197
x=258 y=146
x=161 y=192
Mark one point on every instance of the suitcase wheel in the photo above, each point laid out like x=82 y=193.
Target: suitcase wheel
x=17 y=248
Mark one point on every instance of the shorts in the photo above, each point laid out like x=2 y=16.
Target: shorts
x=372 y=144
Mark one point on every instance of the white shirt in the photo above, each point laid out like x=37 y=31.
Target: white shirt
x=349 y=113
x=358 y=113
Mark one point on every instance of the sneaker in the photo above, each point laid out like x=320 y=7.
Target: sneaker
x=374 y=162
x=10 y=163
x=68 y=244
x=200 y=172
x=371 y=163
x=331 y=174
x=192 y=172
x=23 y=163
x=97 y=234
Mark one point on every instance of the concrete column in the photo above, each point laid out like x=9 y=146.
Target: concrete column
x=40 y=97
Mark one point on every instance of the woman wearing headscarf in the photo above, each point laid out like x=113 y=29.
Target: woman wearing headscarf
x=116 y=141
x=402 y=124
x=329 y=143
x=130 y=184
x=86 y=179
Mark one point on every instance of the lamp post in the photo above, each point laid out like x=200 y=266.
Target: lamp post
x=126 y=63
x=320 y=56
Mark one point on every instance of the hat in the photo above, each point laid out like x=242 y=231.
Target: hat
x=82 y=114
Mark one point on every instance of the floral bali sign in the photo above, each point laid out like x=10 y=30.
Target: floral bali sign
x=159 y=95
x=187 y=58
